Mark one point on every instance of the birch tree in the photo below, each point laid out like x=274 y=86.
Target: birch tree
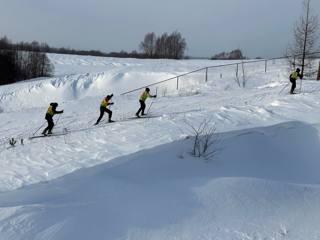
x=305 y=39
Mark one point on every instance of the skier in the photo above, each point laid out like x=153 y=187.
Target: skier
x=293 y=78
x=142 y=100
x=49 y=117
x=103 y=108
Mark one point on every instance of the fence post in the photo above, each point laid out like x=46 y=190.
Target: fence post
x=177 y=83
x=243 y=75
x=237 y=72
x=318 y=77
x=265 y=66
x=206 y=74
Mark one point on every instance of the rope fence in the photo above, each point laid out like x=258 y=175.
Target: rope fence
x=238 y=66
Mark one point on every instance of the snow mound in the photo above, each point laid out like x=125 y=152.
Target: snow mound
x=248 y=191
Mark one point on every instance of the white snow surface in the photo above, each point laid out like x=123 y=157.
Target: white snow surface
x=136 y=178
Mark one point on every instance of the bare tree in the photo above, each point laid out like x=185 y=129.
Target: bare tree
x=305 y=38
x=4 y=43
x=170 y=46
x=161 y=46
x=176 y=45
x=204 y=139
x=149 y=44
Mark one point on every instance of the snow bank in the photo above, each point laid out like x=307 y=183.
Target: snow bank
x=264 y=184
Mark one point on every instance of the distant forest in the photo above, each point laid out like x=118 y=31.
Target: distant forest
x=26 y=60
x=34 y=46
x=22 y=61
x=170 y=46
x=233 y=55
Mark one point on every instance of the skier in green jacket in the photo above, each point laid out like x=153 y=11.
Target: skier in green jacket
x=146 y=94
x=52 y=110
x=104 y=108
x=293 y=78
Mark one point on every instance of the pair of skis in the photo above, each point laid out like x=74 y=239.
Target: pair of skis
x=65 y=131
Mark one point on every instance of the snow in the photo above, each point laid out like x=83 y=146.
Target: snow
x=136 y=179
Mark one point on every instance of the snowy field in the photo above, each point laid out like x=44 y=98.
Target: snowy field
x=136 y=179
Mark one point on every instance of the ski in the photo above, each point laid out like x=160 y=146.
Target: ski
x=48 y=135
x=142 y=117
x=104 y=123
x=124 y=120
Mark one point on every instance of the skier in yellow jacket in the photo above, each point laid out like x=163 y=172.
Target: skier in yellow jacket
x=146 y=94
x=103 y=108
x=293 y=78
x=49 y=117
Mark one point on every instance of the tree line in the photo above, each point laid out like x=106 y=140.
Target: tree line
x=171 y=46
x=18 y=64
x=165 y=46
x=35 y=46
x=26 y=60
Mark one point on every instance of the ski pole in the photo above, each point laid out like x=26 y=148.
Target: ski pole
x=58 y=119
x=149 y=107
x=38 y=129
x=152 y=101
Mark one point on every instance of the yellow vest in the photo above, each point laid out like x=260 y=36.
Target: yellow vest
x=144 y=96
x=104 y=103
x=294 y=75
x=50 y=111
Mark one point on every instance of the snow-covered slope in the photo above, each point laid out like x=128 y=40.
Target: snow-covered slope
x=135 y=178
x=256 y=188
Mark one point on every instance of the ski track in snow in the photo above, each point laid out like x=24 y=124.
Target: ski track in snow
x=264 y=183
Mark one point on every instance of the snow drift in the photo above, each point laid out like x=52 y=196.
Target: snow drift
x=256 y=188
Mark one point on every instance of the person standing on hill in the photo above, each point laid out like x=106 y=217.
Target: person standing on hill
x=52 y=110
x=104 y=108
x=293 y=78
x=142 y=100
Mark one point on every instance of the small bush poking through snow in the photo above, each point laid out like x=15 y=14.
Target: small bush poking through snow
x=12 y=142
x=204 y=139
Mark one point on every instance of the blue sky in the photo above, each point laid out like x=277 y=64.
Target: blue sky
x=258 y=27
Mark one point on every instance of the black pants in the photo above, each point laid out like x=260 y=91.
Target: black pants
x=142 y=107
x=102 y=110
x=294 y=84
x=50 y=124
